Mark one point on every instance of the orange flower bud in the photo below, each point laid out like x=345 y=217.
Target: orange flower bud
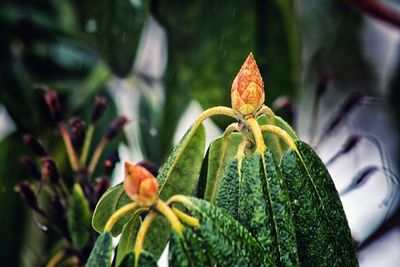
x=247 y=92
x=140 y=185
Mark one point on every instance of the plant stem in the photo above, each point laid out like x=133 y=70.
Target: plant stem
x=86 y=144
x=55 y=259
x=118 y=215
x=194 y=222
x=73 y=159
x=96 y=155
x=280 y=133
x=164 y=209
x=216 y=111
x=255 y=129
x=265 y=110
x=141 y=235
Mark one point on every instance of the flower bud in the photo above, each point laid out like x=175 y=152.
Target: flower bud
x=115 y=127
x=98 y=109
x=50 y=169
x=247 y=92
x=77 y=132
x=26 y=191
x=53 y=103
x=140 y=185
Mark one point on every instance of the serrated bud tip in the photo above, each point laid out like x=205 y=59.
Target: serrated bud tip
x=247 y=92
x=140 y=185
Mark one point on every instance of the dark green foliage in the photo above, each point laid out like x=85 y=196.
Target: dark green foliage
x=113 y=199
x=227 y=197
x=79 y=218
x=330 y=204
x=228 y=242
x=222 y=150
x=128 y=238
x=189 y=251
x=281 y=212
x=318 y=211
x=145 y=260
x=254 y=208
x=101 y=253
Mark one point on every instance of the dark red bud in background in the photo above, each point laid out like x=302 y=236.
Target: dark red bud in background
x=322 y=85
x=150 y=166
x=34 y=145
x=26 y=191
x=109 y=163
x=50 y=169
x=116 y=126
x=77 y=132
x=31 y=167
x=99 y=108
x=53 y=103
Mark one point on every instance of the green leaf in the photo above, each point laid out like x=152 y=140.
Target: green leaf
x=283 y=224
x=78 y=218
x=113 y=199
x=227 y=241
x=227 y=197
x=177 y=176
x=316 y=200
x=254 y=209
x=276 y=145
x=145 y=260
x=189 y=250
x=101 y=253
x=128 y=238
x=221 y=151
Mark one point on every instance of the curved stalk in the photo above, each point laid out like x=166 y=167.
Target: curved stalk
x=118 y=215
x=255 y=129
x=280 y=133
x=96 y=155
x=56 y=259
x=164 y=209
x=216 y=111
x=265 y=110
x=189 y=220
x=86 y=144
x=73 y=158
x=142 y=234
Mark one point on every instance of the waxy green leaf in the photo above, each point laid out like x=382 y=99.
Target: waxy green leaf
x=78 y=218
x=102 y=251
x=222 y=150
x=314 y=195
x=145 y=260
x=113 y=199
x=227 y=241
x=128 y=238
x=177 y=176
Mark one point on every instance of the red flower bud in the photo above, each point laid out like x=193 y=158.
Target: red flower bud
x=140 y=185
x=98 y=109
x=247 y=92
x=116 y=126
x=53 y=103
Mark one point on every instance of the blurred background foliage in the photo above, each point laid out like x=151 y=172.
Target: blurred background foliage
x=84 y=48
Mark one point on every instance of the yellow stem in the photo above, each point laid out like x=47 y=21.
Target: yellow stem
x=55 y=259
x=216 y=111
x=179 y=198
x=194 y=222
x=86 y=144
x=255 y=129
x=141 y=235
x=96 y=155
x=265 y=110
x=164 y=209
x=241 y=153
x=118 y=215
x=230 y=129
x=73 y=158
x=280 y=133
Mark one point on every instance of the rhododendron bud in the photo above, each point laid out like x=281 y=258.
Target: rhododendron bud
x=247 y=92
x=140 y=185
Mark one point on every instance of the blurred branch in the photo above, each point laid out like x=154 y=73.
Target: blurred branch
x=378 y=10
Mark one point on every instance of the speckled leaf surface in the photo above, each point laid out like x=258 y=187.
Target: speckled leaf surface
x=101 y=253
